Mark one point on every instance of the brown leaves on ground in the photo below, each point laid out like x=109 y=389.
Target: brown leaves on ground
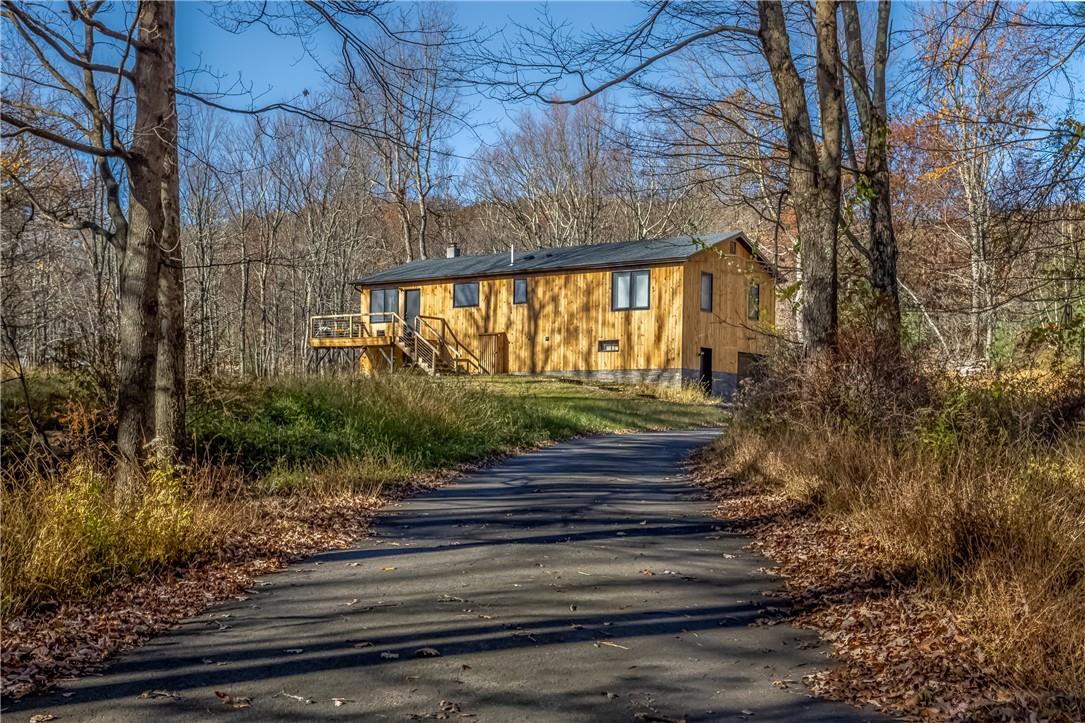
x=898 y=650
x=77 y=637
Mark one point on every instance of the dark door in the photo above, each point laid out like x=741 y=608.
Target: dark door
x=412 y=306
x=706 y=369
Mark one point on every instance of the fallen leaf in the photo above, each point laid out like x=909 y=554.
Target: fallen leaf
x=427 y=653
x=388 y=568
x=234 y=701
x=299 y=698
x=147 y=694
x=42 y=717
x=612 y=645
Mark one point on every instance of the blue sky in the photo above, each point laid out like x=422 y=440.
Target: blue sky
x=277 y=68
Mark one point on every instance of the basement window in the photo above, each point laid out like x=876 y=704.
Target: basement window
x=382 y=303
x=519 y=291
x=629 y=290
x=753 y=301
x=706 y=291
x=465 y=294
x=608 y=345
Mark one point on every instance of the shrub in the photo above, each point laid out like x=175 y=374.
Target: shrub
x=974 y=488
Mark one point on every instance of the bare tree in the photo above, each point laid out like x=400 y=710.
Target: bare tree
x=89 y=117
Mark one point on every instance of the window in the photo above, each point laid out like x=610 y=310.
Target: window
x=383 y=300
x=465 y=294
x=608 y=345
x=519 y=291
x=706 y=291
x=629 y=290
x=753 y=301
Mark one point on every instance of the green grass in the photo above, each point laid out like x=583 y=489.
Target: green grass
x=389 y=427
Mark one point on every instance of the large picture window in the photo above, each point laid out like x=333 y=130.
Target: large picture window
x=706 y=291
x=753 y=301
x=465 y=294
x=382 y=301
x=519 y=291
x=629 y=290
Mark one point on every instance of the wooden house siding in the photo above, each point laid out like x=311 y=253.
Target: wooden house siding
x=566 y=315
x=726 y=329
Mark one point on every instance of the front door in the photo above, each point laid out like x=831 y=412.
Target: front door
x=412 y=306
x=706 y=369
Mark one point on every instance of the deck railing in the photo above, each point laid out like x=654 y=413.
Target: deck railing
x=338 y=326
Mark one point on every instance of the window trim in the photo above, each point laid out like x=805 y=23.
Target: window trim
x=753 y=292
x=478 y=294
x=608 y=346
x=630 y=273
x=527 y=289
x=711 y=291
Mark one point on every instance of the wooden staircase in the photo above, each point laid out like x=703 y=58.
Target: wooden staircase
x=426 y=342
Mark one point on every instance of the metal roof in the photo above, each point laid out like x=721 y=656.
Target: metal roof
x=622 y=253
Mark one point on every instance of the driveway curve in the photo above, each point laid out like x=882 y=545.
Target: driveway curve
x=583 y=582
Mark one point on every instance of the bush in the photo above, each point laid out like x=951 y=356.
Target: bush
x=974 y=488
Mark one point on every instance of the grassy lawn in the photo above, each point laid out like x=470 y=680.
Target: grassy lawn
x=386 y=428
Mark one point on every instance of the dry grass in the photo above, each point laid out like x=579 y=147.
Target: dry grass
x=66 y=535
x=974 y=498
x=685 y=393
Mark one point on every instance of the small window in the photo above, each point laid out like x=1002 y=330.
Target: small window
x=519 y=291
x=608 y=345
x=753 y=301
x=465 y=294
x=706 y=291
x=629 y=290
x=382 y=303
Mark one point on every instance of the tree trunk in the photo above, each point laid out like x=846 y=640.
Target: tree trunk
x=152 y=174
x=170 y=384
x=814 y=177
x=870 y=102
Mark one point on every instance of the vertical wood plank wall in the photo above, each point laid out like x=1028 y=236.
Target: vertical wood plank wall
x=568 y=313
x=566 y=316
x=726 y=329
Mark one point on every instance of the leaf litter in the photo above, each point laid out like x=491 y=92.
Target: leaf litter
x=896 y=650
x=76 y=637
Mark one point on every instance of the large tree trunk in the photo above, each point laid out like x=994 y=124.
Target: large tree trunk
x=152 y=175
x=814 y=174
x=170 y=385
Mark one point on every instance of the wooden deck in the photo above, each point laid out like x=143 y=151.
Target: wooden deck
x=386 y=340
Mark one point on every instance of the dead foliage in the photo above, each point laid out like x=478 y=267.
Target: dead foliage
x=939 y=547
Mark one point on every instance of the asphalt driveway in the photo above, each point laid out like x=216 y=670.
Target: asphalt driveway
x=584 y=582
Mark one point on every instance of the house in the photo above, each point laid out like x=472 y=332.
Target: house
x=661 y=310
